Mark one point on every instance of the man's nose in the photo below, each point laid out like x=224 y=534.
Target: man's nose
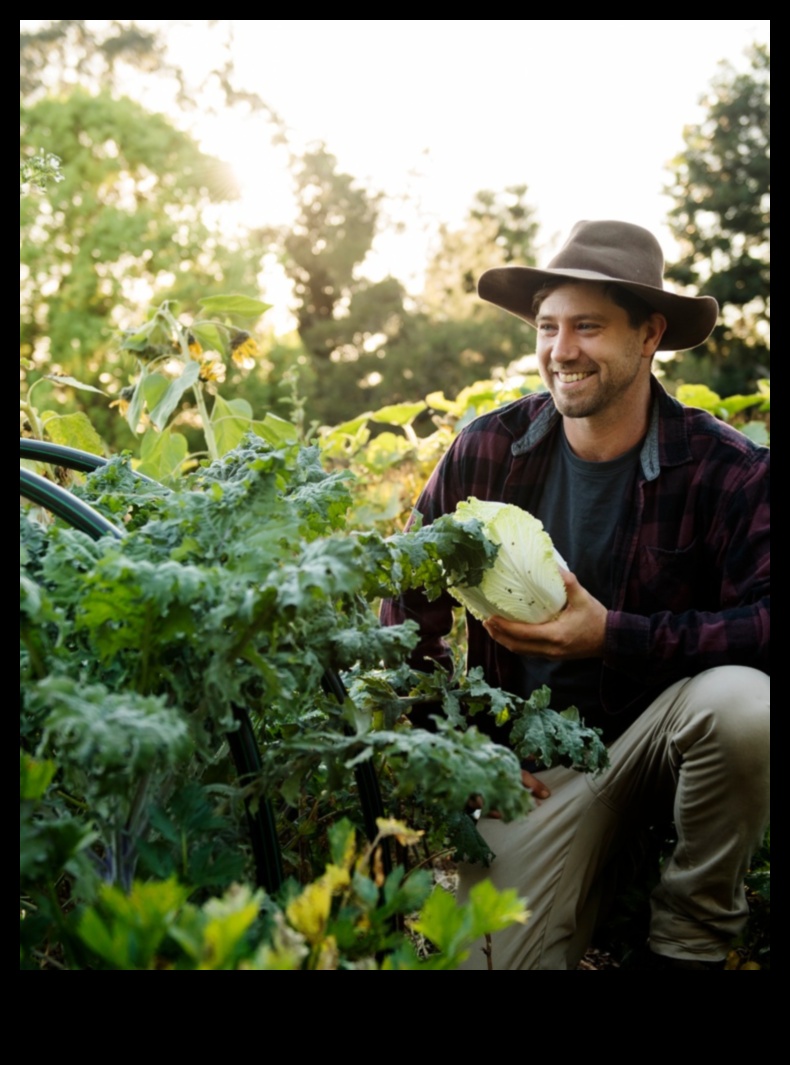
x=565 y=346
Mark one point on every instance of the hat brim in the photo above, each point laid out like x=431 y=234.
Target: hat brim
x=690 y=319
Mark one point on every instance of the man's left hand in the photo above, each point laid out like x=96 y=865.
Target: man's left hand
x=578 y=632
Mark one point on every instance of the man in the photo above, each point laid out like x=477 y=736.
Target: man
x=662 y=514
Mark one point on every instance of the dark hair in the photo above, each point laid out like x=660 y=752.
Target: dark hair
x=637 y=309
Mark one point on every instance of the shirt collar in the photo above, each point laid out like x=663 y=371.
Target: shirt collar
x=666 y=442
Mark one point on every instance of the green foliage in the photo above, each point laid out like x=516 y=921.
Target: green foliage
x=721 y=189
x=366 y=346
x=63 y=52
x=238 y=588
x=39 y=170
x=453 y=928
x=500 y=229
x=172 y=363
x=381 y=353
x=749 y=413
x=343 y=920
x=124 y=225
x=391 y=467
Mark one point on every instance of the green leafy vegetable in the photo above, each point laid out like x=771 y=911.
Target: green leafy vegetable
x=525 y=583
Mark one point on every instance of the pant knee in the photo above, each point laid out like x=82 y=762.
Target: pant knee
x=730 y=707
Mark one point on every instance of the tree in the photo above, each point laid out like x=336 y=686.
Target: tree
x=456 y=338
x=368 y=348
x=721 y=188
x=344 y=320
x=500 y=229
x=66 y=52
x=324 y=248
x=123 y=228
x=101 y=54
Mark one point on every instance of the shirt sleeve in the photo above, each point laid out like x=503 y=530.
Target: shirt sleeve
x=664 y=646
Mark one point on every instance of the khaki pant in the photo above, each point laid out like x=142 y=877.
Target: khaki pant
x=698 y=754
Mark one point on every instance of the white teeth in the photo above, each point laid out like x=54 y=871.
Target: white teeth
x=568 y=377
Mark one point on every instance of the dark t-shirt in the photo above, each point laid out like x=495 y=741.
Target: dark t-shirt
x=580 y=508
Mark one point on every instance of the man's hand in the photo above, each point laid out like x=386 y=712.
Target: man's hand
x=530 y=782
x=578 y=632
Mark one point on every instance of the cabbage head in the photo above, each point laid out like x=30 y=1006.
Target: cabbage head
x=525 y=583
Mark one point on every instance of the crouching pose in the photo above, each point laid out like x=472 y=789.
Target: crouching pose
x=662 y=514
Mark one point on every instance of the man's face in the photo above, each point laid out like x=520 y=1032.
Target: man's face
x=590 y=357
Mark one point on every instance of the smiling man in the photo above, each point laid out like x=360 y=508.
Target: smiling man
x=662 y=514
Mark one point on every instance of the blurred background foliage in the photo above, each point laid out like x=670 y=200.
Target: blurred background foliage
x=132 y=223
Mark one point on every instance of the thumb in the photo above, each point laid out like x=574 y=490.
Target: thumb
x=572 y=586
x=568 y=579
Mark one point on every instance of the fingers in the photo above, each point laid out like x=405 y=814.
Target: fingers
x=474 y=806
x=578 y=631
x=520 y=637
x=533 y=784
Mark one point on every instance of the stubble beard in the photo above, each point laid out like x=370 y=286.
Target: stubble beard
x=606 y=396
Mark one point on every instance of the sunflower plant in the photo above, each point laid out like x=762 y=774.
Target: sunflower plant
x=176 y=359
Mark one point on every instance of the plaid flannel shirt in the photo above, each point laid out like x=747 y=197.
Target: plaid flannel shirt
x=691 y=551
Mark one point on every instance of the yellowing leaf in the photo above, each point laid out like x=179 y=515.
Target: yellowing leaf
x=335 y=878
x=343 y=843
x=230 y=916
x=407 y=837
x=699 y=396
x=493 y=910
x=35 y=775
x=309 y=912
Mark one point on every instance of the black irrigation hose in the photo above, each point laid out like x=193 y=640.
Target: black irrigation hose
x=365 y=775
x=64 y=505
x=68 y=457
x=262 y=824
x=243 y=748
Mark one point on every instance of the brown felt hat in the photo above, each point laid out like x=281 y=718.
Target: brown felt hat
x=624 y=254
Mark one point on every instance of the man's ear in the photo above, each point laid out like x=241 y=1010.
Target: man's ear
x=655 y=327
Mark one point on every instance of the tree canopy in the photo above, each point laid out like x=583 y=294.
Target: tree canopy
x=123 y=228
x=721 y=188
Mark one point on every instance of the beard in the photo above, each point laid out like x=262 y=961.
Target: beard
x=608 y=388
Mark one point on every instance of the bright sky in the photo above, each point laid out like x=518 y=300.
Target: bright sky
x=586 y=113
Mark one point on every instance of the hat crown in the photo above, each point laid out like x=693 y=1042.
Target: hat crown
x=618 y=252
x=615 y=250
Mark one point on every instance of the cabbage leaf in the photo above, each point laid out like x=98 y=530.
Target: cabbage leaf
x=525 y=583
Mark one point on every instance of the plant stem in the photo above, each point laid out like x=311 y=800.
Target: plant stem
x=181 y=334
x=208 y=428
x=32 y=416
